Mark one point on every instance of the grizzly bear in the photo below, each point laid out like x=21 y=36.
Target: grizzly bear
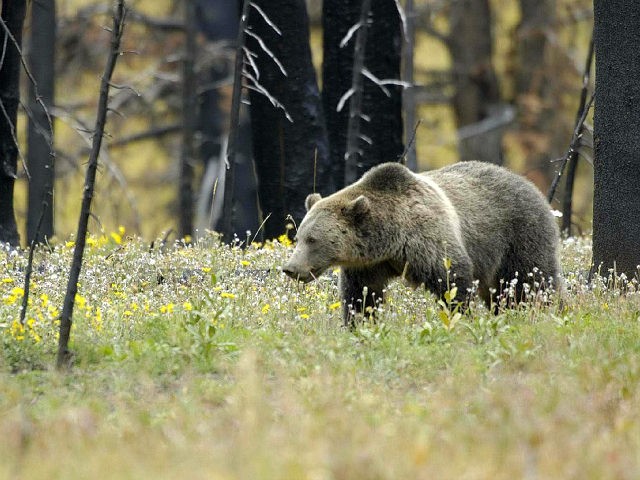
x=494 y=226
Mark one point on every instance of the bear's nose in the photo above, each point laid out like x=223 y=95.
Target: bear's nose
x=290 y=272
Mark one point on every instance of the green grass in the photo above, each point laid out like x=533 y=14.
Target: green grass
x=205 y=362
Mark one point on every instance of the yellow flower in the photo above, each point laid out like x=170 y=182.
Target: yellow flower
x=187 y=239
x=91 y=241
x=187 y=306
x=167 y=308
x=284 y=240
x=116 y=238
x=245 y=263
x=7 y=280
x=81 y=302
x=121 y=230
x=44 y=299
x=17 y=291
x=17 y=330
x=206 y=269
x=335 y=305
x=69 y=243
x=227 y=295
x=265 y=308
x=304 y=316
x=128 y=313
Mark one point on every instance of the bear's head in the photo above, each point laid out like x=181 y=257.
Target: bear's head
x=328 y=235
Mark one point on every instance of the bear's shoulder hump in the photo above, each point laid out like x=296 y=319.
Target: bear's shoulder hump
x=388 y=176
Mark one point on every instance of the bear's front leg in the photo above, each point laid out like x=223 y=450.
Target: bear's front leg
x=362 y=289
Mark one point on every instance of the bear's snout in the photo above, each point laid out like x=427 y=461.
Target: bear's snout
x=298 y=273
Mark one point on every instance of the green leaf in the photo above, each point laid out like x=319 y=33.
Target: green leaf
x=444 y=318
x=452 y=293
x=447 y=263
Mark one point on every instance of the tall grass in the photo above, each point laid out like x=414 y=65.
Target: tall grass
x=205 y=362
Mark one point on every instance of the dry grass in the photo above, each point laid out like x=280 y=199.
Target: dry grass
x=206 y=363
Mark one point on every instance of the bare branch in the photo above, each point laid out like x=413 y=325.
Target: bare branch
x=345 y=40
x=234 y=122
x=257 y=87
x=267 y=51
x=64 y=355
x=403 y=18
x=573 y=147
x=266 y=19
x=343 y=99
x=355 y=104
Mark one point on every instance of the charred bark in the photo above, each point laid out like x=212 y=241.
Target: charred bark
x=40 y=154
x=616 y=202
x=13 y=13
x=289 y=140
x=381 y=128
x=476 y=97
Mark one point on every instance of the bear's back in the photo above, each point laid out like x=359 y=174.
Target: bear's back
x=500 y=213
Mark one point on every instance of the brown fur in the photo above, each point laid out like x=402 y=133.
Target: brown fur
x=491 y=223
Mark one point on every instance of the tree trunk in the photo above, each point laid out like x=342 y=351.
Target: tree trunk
x=189 y=124
x=616 y=202
x=40 y=155
x=382 y=123
x=291 y=154
x=535 y=84
x=13 y=13
x=477 y=95
x=409 y=98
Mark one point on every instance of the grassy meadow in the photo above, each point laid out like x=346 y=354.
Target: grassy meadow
x=206 y=362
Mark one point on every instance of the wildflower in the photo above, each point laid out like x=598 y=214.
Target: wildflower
x=167 y=308
x=265 y=308
x=7 y=280
x=284 y=240
x=245 y=263
x=81 y=302
x=17 y=330
x=335 y=305
x=116 y=238
x=206 y=269
x=227 y=295
x=69 y=243
x=187 y=306
x=304 y=316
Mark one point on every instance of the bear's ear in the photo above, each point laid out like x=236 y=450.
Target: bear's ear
x=359 y=207
x=311 y=200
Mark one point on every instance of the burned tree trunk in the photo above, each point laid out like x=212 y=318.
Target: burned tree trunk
x=13 y=13
x=480 y=115
x=289 y=137
x=40 y=155
x=539 y=133
x=189 y=124
x=616 y=202
x=381 y=127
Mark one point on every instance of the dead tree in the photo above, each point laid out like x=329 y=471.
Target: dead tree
x=616 y=202
x=64 y=355
x=381 y=109
x=40 y=154
x=13 y=13
x=290 y=146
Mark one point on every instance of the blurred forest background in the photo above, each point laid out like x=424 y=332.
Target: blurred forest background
x=498 y=78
